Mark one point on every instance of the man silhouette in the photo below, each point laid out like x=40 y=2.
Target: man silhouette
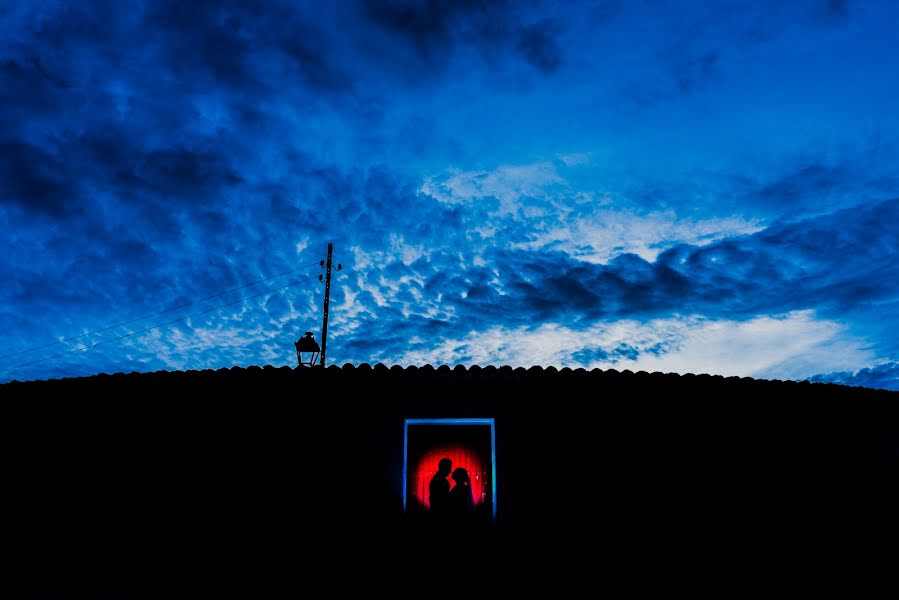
x=440 y=487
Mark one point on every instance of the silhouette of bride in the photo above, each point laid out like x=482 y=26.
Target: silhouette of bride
x=460 y=501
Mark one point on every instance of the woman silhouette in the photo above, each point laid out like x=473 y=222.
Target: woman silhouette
x=460 y=501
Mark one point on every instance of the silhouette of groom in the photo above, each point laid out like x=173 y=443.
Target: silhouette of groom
x=440 y=487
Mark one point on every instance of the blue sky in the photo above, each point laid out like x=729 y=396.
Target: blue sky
x=672 y=186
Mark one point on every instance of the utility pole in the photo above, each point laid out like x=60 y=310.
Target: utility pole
x=327 y=301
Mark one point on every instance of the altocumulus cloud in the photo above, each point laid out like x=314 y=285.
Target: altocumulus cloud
x=504 y=182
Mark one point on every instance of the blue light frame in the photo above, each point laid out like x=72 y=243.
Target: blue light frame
x=451 y=422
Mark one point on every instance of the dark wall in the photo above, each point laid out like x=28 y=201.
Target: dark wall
x=173 y=484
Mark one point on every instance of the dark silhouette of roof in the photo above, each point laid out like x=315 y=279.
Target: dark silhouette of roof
x=144 y=483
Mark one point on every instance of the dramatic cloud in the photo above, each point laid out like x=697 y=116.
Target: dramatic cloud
x=592 y=184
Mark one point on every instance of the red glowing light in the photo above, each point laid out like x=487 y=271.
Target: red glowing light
x=462 y=456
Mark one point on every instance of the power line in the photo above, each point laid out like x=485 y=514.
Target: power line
x=156 y=314
x=196 y=314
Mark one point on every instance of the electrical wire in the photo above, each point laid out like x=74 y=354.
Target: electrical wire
x=196 y=314
x=156 y=314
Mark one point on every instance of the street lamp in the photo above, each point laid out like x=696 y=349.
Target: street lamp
x=307 y=345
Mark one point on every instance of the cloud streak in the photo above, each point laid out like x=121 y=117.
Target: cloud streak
x=766 y=346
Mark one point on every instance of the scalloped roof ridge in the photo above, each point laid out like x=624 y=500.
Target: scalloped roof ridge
x=442 y=370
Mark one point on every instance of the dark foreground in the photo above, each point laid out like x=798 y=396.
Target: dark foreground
x=273 y=481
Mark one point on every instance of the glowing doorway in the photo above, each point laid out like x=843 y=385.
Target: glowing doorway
x=468 y=443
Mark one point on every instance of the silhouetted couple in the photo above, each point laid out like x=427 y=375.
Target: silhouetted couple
x=450 y=504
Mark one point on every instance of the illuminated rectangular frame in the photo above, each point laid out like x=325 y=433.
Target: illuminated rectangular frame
x=451 y=422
